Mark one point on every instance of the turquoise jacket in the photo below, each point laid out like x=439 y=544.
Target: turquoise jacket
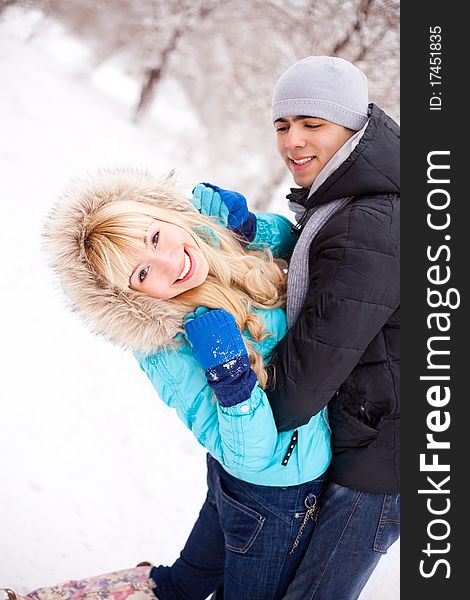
x=243 y=438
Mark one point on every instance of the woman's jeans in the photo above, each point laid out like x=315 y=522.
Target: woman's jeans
x=353 y=531
x=248 y=538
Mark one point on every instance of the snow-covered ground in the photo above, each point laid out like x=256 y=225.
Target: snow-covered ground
x=96 y=474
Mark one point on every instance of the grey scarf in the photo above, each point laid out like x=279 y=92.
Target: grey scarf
x=297 y=279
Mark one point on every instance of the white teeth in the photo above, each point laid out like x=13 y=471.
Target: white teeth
x=187 y=266
x=302 y=161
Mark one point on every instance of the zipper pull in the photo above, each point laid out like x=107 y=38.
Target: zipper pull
x=292 y=445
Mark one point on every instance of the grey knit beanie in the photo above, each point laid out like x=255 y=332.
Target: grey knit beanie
x=326 y=87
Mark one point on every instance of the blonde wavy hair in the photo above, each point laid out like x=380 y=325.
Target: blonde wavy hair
x=238 y=279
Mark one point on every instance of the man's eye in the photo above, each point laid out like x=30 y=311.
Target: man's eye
x=143 y=274
x=155 y=237
x=280 y=129
x=312 y=125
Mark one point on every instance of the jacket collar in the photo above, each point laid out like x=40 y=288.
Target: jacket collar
x=337 y=159
x=372 y=167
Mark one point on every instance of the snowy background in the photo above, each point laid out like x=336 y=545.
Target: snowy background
x=96 y=474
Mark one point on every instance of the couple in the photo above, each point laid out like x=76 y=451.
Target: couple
x=200 y=296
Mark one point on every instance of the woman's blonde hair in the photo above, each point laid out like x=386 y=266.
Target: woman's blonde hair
x=238 y=279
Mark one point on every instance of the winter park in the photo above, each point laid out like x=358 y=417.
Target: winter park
x=97 y=474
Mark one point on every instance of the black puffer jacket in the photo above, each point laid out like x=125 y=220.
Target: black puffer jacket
x=343 y=350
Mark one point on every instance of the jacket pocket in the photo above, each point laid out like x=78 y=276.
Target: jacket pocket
x=349 y=432
x=241 y=524
x=388 y=529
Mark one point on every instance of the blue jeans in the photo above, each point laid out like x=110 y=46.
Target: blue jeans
x=353 y=531
x=242 y=541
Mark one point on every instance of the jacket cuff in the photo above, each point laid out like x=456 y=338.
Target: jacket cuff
x=275 y=232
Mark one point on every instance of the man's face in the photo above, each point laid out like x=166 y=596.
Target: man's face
x=306 y=144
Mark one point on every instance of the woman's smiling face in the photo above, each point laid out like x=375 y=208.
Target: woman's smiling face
x=171 y=262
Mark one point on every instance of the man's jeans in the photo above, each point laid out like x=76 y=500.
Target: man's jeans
x=353 y=531
x=242 y=541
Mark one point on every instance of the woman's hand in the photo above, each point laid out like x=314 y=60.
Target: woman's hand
x=218 y=346
x=215 y=338
x=229 y=207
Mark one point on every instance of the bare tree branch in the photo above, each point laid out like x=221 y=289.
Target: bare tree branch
x=356 y=27
x=236 y=49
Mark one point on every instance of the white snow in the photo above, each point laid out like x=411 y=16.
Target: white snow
x=96 y=474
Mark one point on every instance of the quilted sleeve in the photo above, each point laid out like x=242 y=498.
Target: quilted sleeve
x=274 y=231
x=242 y=437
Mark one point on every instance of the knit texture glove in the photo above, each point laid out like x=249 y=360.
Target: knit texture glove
x=229 y=207
x=219 y=348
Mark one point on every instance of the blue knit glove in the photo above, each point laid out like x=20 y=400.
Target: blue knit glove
x=229 y=207
x=219 y=348
x=209 y=202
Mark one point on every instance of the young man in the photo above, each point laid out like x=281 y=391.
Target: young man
x=341 y=353
x=342 y=348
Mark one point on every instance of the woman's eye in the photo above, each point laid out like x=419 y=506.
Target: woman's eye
x=143 y=274
x=155 y=237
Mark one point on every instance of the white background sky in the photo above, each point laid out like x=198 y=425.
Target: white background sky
x=96 y=474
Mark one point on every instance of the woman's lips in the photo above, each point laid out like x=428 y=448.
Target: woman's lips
x=191 y=268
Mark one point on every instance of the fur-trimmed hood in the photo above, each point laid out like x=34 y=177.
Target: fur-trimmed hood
x=130 y=319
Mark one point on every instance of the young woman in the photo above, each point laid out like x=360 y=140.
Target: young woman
x=203 y=313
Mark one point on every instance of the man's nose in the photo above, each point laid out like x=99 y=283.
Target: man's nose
x=294 y=138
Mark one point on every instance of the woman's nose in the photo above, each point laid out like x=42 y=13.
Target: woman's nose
x=166 y=262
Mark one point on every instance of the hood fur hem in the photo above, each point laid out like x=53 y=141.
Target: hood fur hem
x=127 y=318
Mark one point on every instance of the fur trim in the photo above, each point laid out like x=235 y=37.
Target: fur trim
x=127 y=318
